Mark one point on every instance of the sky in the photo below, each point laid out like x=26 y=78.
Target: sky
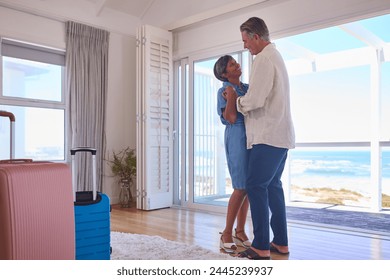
x=335 y=105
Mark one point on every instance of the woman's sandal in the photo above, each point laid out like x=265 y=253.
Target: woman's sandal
x=252 y=255
x=239 y=241
x=227 y=247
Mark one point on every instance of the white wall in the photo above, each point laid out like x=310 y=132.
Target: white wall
x=121 y=122
x=29 y=28
x=121 y=103
x=283 y=17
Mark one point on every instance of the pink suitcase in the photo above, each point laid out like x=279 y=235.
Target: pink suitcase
x=36 y=210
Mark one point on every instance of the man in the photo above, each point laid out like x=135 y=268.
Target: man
x=270 y=133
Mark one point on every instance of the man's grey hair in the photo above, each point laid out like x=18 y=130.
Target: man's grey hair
x=255 y=25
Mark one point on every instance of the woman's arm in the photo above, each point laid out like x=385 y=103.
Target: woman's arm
x=230 y=112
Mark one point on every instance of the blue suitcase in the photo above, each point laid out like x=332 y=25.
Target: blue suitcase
x=92 y=217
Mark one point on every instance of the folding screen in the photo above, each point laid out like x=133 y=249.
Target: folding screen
x=154 y=118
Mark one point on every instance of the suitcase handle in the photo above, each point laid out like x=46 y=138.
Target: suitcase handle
x=12 y=132
x=8 y=114
x=73 y=152
x=83 y=149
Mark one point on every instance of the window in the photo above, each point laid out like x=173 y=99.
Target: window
x=211 y=178
x=339 y=82
x=32 y=89
x=332 y=106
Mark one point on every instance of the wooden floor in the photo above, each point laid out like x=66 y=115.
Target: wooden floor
x=306 y=241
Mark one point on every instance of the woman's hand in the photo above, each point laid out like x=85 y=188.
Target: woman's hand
x=230 y=93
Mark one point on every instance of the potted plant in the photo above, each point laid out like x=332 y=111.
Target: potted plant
x=124 y=166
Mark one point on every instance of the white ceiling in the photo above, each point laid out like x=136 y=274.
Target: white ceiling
x=172 y=13
x=124 y=15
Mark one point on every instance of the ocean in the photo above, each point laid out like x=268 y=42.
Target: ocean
x=336 y=169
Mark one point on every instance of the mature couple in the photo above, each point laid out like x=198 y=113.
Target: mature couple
x=259 y=132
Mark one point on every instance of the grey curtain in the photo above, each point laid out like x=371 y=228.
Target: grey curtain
x=86 y=87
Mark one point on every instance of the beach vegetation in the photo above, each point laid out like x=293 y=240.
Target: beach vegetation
x=385 y=200
x=329 y=195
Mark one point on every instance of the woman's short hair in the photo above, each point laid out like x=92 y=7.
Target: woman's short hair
x=220 y=67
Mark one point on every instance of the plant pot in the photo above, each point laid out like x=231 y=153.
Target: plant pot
x=125 y=197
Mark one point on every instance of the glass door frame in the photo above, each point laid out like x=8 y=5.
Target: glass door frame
x=184 y=121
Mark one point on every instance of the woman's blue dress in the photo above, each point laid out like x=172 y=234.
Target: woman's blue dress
x=235 y=140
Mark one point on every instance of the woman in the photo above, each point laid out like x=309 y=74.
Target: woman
x=227 y=70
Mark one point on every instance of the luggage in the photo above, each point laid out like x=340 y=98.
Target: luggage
x=11 y=133
x=92 y=217
x=36 y=209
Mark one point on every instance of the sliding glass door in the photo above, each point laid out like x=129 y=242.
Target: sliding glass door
x=210 y=182
x=340 y=105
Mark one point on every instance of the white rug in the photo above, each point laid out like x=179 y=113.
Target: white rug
x=128 y=246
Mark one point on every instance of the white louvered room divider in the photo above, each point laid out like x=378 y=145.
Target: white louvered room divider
x=154 y=118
